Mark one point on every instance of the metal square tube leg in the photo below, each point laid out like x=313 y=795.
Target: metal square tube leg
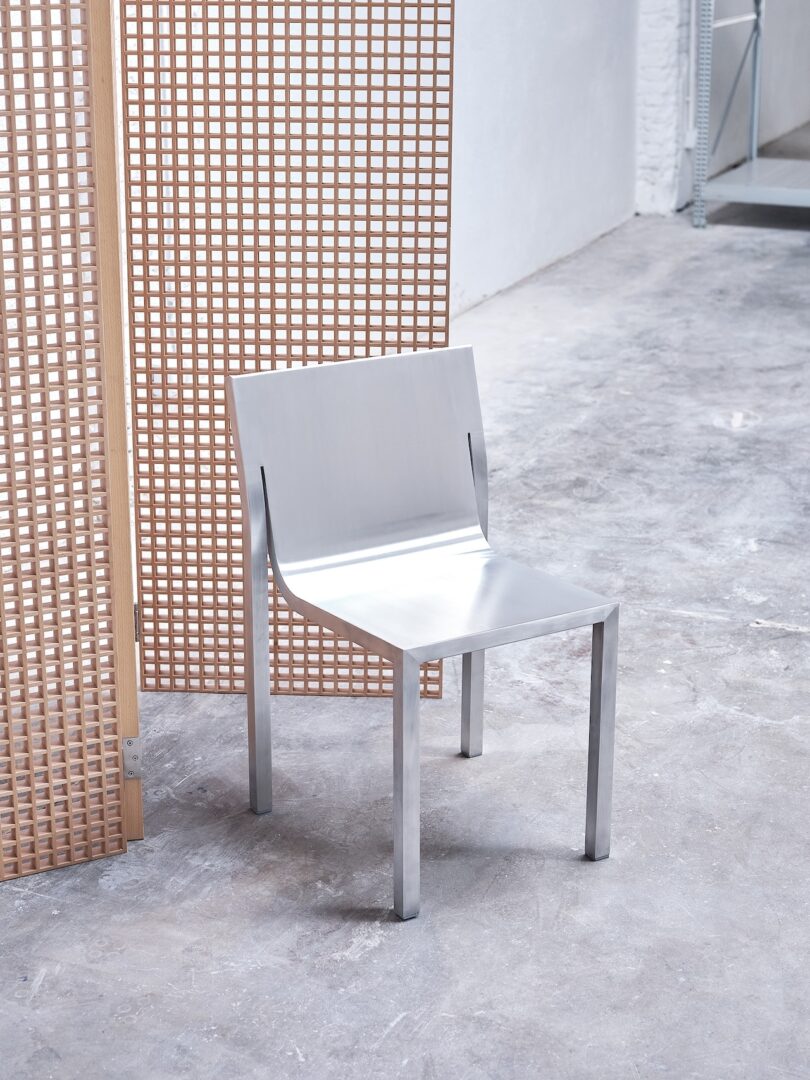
x=257 y=648
x=604 y=660
x=472 y=703
x=406 y=787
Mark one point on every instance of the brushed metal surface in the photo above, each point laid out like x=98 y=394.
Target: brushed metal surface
x=406 y=787
x=366 y=483
x=472 y=703
x=604 y=657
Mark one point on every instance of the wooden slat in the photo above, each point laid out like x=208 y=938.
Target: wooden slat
x=105 y=120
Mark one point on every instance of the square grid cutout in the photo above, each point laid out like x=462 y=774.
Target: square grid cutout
x=60 y=772
x=288 y=202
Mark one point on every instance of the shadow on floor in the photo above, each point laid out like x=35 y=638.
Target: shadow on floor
x=761 y=217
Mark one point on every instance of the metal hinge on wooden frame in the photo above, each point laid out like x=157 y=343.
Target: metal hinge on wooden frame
x=132 y=758
x=136 y=611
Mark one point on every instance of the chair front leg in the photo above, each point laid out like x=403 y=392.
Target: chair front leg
x=472 y=703
x=257 y=664
x=406 y=787
x=604 y=659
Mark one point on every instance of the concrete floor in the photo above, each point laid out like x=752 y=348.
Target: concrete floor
x=647 y=407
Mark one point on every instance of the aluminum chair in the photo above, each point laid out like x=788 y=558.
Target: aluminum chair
x=366 y=483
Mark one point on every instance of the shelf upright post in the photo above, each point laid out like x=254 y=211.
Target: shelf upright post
x=756 y=83
x=702 y=107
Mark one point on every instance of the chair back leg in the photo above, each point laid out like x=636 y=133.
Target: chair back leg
x=472 y=703
x=406 y=787
x=604 y=658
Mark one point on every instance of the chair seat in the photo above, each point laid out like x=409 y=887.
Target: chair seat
x=452 y=597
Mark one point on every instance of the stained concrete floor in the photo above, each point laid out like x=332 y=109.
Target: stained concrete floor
x=647 y=407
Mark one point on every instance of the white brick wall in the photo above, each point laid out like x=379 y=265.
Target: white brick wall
x=662 y=101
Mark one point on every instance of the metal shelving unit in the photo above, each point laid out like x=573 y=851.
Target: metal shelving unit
x=769 y=181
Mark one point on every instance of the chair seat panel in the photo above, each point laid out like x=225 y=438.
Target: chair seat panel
x=437 y=601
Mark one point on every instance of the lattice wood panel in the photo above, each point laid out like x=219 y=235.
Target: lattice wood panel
x=61 y=790
x=288 y=203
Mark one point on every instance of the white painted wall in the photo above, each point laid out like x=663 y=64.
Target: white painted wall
x=570 y=116
x=543 y=137
x=666 y=78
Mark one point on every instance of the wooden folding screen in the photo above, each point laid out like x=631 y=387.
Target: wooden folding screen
x=67 y=651
x=288 y=169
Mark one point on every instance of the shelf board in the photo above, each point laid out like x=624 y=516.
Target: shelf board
x=768 y=181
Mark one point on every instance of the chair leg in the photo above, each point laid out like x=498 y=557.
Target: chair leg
x=406 y=787
x=472 y=703
x=600 y=746
x=259 y=746
x=257 y=662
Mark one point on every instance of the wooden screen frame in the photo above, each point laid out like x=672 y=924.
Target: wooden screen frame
x=69 y=695
x=104 y=98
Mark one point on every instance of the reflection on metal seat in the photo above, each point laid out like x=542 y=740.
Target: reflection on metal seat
x=365 y=482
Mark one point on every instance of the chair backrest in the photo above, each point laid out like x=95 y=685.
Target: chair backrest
x=360 y=454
